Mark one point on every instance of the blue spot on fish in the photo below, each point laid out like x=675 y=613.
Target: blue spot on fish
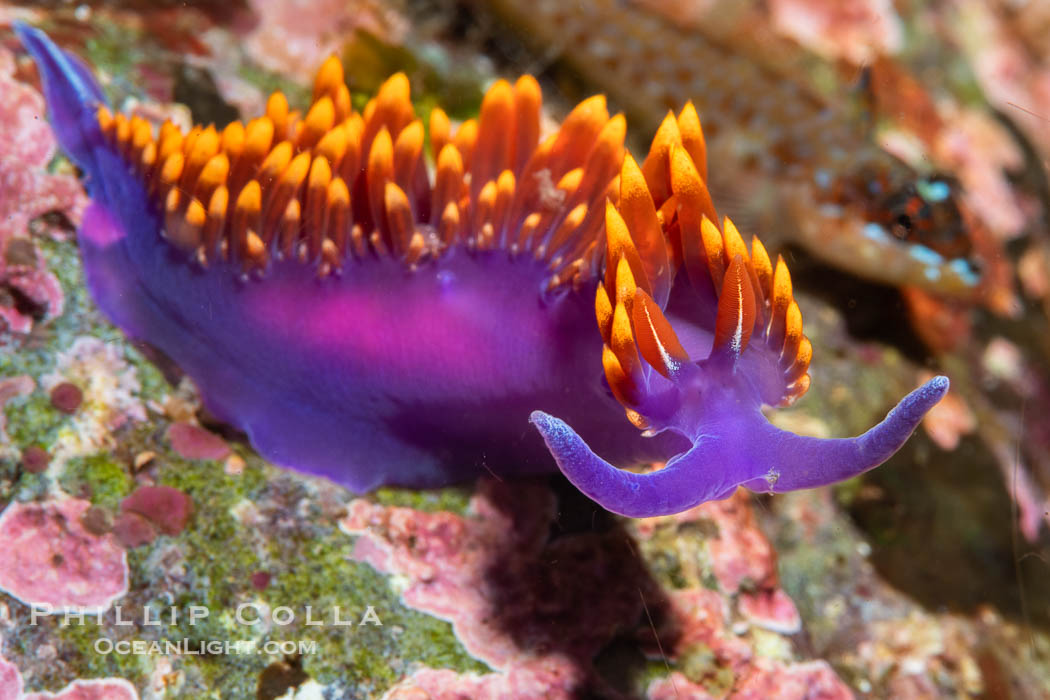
x=925 y=255
x=875 y=232
x=933 y=192
x=964 y=269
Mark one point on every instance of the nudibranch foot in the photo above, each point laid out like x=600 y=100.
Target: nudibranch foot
x=750 y=453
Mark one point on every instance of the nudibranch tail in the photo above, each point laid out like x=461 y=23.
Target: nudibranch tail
x=74 y=99
x=72 y=95
x=710 y=390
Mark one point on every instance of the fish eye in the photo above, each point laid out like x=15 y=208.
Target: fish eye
x=902 y=226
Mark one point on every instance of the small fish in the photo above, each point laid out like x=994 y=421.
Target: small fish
x=790 y=164
x=361 y=320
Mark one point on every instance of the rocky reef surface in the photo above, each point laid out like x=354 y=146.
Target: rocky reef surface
x=147 y=552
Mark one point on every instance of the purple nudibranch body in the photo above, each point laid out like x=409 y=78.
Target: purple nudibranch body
x=361 y=320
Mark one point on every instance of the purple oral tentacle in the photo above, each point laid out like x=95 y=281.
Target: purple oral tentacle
x=693 y=477
x=798 y=462
x=742 y=450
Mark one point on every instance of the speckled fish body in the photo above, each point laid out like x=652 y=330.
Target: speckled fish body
x=363 y=322
x=791 y=165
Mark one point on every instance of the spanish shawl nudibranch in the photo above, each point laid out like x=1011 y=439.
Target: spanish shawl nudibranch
x=364 y=322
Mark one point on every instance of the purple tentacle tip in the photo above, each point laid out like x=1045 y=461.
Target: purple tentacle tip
x=797 y=462
x=687 y=480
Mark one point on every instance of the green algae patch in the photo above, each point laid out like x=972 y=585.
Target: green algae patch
x=207 y=567
x=216 y=562
x=369 y=61
x=98 y=478
x=261 y=544
x=9 y=471
x=83 y=641
x=32 y=420
x=700 y=664
x=676 y=555
x=115 y=49
x=366 y=635
x=206 y=482
x=454 y=499
x=80 y=315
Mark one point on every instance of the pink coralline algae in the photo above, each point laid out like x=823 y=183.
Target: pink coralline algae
x=35 y=459
x=813 y=680
x=534 y=610
x=700 y=617
x=151 y=510
x=100 y=689
x=108 y=689
x=949 y=421
x=742 y=560
x=10 y=681
x=166 y=507
x=132 y=530
x=771 y=609
x=49 y=559
x=528 y=682
x=293 y=36
x=743 y=563
x=1013 y=76
x=855 y=31
x=194 y=442
x=537 y=609
x=67 y=397
x=27 y=191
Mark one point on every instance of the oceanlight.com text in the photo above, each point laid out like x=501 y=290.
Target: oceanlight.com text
x=199 y=647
